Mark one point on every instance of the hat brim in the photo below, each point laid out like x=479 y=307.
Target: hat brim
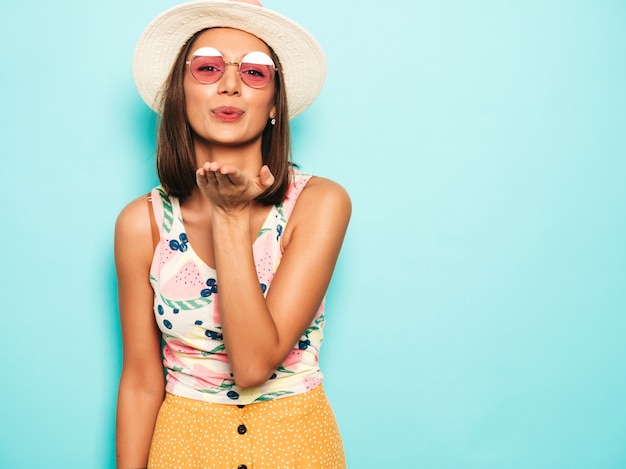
x=300 y=55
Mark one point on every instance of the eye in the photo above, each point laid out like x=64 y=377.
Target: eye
x=206 y=68
x=257 y=68
x=254 y=70
x=207 y=65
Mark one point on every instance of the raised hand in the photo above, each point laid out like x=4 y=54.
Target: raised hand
x=230 y=189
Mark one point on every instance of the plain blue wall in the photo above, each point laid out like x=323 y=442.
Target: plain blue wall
x=477 y=318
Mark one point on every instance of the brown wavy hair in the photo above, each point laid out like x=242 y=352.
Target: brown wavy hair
x=175 y=158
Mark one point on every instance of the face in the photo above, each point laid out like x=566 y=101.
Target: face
x=228 y=112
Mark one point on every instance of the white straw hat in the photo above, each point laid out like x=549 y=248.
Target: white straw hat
x=301 y=56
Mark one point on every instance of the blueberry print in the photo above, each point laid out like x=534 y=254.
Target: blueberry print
x=161 y=310
x=182 y=246
x=187 y=310
x=211 y=283
x=213 y=335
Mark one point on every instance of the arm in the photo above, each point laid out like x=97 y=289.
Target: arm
x=260 y=332
x=141 y=387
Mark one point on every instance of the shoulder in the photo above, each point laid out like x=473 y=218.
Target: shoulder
x=319 y=220
x=323 y=202
x=133 y=227
x=322 y=191
x=135 y=215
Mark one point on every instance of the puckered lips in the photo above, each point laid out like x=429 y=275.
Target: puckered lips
x=227 y=113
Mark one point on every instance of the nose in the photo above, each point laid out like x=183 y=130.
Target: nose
x=230 y=82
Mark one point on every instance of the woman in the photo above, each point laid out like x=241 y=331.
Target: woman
x=227 y=262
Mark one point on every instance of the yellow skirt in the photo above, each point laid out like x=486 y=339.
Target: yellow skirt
x=288 y=433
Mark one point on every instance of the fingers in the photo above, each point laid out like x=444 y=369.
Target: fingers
x=231 y=175
x=209 y=173
x=205 y=176
x=227 y=186
x=266 y=178
x=227 y=174
x=217 y=169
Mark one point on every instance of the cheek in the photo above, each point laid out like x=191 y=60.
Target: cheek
x=192 y=94
x=195 y=102
x=263 y=101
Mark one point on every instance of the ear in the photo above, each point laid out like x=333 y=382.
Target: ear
x=273 y=112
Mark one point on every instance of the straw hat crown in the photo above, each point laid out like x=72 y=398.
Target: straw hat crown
x=300 y=55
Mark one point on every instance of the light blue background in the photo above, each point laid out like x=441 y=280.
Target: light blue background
x=477 y=314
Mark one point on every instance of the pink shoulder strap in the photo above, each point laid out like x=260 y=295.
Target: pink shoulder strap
x=296 y=186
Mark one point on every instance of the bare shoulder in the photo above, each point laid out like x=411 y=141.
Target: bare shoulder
x=133 y=225
x=322 y=193
x=322 y=203
x=135 y=214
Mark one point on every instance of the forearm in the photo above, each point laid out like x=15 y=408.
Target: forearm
x=137 y=409
x=250 y=333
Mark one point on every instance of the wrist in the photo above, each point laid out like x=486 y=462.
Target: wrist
x=231 y=220
x=231 y=213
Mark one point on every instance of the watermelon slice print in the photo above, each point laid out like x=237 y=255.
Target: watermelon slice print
x=183 y=291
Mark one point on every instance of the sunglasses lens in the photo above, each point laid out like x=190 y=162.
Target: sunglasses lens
x=207 y=65
x=257 y=69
